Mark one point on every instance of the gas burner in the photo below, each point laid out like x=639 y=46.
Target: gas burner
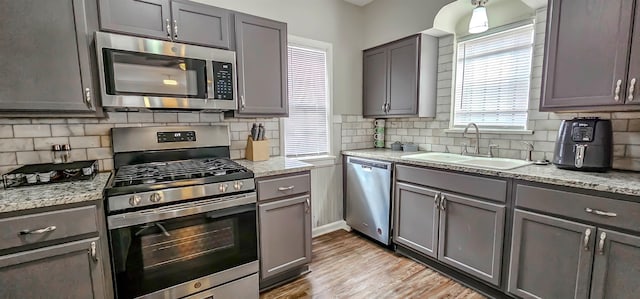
x=161 y=172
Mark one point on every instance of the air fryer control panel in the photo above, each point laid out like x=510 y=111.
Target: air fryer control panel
x=223 y=80
x=582 y=132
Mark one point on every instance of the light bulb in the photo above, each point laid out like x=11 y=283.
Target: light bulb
x=479 y=20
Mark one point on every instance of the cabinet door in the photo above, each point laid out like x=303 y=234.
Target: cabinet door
x=61 y=271
x=550 y=257
x=49 y=66
x=149 y=18
x=261 y=49
x=616 y=266
x=403 y=77
x=471 y=234
x=633 y=79
x=200 y=24
x=587 y=52
x=285 y=235
x=374 y=82
x=416 y=218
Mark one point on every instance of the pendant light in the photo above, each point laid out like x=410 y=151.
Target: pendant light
x=479 y=20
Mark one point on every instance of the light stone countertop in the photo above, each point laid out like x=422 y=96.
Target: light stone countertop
x=275 y=166
x=619 y=182
x=24 y=198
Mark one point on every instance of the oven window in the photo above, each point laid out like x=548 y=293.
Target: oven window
x=135 y=73
x=157 y=255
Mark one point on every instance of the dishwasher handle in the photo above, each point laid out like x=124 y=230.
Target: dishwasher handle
x=369 y=165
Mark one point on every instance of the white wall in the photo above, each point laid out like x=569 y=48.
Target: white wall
x=388 y=20
x=332 y=21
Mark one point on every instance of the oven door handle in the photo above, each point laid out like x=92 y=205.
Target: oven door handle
x=180 y=210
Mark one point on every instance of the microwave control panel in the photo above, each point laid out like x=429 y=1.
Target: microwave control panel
x=223 y=80
x=184 y=136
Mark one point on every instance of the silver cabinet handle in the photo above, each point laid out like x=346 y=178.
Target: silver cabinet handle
x=616 y=96
x=242 y=103
x=175 y=29
x=443 y=202
x=388 y=107
x=384 y=107
x=632 y=88
x=600 y=213
x=603 y=237
x=587 y=235
x=38 y=231
x=93 y=251
x=168 y=22
x=436 y=200
x=87 y=94
x=308 y=206
x=286 y=188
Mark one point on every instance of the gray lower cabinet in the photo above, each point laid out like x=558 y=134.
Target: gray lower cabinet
x=550 y=257
x=463 y=232
x=69 y=270
x=416 y=218
x=261 y=49
x=285 y=235
x=616 y=266
x=49 y=69
x=390 y=78
x=471 y=236
x=284 y=222
x=176 y=20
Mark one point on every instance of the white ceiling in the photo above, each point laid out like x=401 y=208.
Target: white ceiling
x=359 y=2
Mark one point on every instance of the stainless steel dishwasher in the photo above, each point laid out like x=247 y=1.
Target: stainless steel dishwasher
x=368 y=200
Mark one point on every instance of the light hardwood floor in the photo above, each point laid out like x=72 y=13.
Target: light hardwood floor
x=346 y=265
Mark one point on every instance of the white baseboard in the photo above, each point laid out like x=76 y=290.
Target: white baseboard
x=331 y=227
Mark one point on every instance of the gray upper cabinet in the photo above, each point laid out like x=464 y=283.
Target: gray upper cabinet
x=616 y=272
x=587 y=56
x=261 y=49
x=48 y=45
x=390 y=79
x=149 y=18
x=177 y=20
x=285 y=235
x=471 y=234
x=69 y=270
x=550 y=257
x=416 y=218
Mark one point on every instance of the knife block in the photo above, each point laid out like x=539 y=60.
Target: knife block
x=257 y=150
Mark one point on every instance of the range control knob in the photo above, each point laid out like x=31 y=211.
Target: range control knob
x=135 y=200
x=237 y=185
x=155 y=197
x=223 y=187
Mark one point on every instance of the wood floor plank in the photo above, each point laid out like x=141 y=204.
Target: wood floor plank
x=346 y=265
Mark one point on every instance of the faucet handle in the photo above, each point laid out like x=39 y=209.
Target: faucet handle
x=491 y=147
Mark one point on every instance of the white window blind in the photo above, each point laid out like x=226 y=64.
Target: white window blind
x=493 y=77
x=307 y=128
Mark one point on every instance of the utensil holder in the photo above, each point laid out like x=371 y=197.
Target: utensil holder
x=257 y=150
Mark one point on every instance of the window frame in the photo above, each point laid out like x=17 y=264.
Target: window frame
x=326 y=47
x=492 y=31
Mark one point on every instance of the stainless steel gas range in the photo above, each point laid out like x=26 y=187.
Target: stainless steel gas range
x=181 y=215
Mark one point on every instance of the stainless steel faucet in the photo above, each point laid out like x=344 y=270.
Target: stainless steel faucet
x=529 y=148
x=476 y=150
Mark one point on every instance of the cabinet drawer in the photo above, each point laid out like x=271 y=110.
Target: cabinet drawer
x=493 y=189
x=620 y=213
x=47 y=226
x=284 y=186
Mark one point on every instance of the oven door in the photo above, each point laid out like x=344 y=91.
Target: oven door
x=164 y=252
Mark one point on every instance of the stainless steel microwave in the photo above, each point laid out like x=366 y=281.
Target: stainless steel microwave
x=148 y=74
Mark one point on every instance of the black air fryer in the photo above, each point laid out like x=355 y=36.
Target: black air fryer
x=584 y=144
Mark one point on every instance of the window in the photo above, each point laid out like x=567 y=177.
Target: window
x=306 y=131
x=493 y=76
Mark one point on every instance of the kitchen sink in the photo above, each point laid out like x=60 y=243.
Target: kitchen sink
x=484 y=162
x=495 y=163
x=439 y=157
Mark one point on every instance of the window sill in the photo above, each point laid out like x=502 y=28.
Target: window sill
x=491 y=131
x=324 y=160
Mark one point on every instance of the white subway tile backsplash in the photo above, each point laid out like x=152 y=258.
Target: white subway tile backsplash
x=99 y=153
x=67 y=130
x=16 y=144
x=98 y=129
x=46 y=143
x=84 y=142
x=32 y=130
x=6 y=131
x=8 y=159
